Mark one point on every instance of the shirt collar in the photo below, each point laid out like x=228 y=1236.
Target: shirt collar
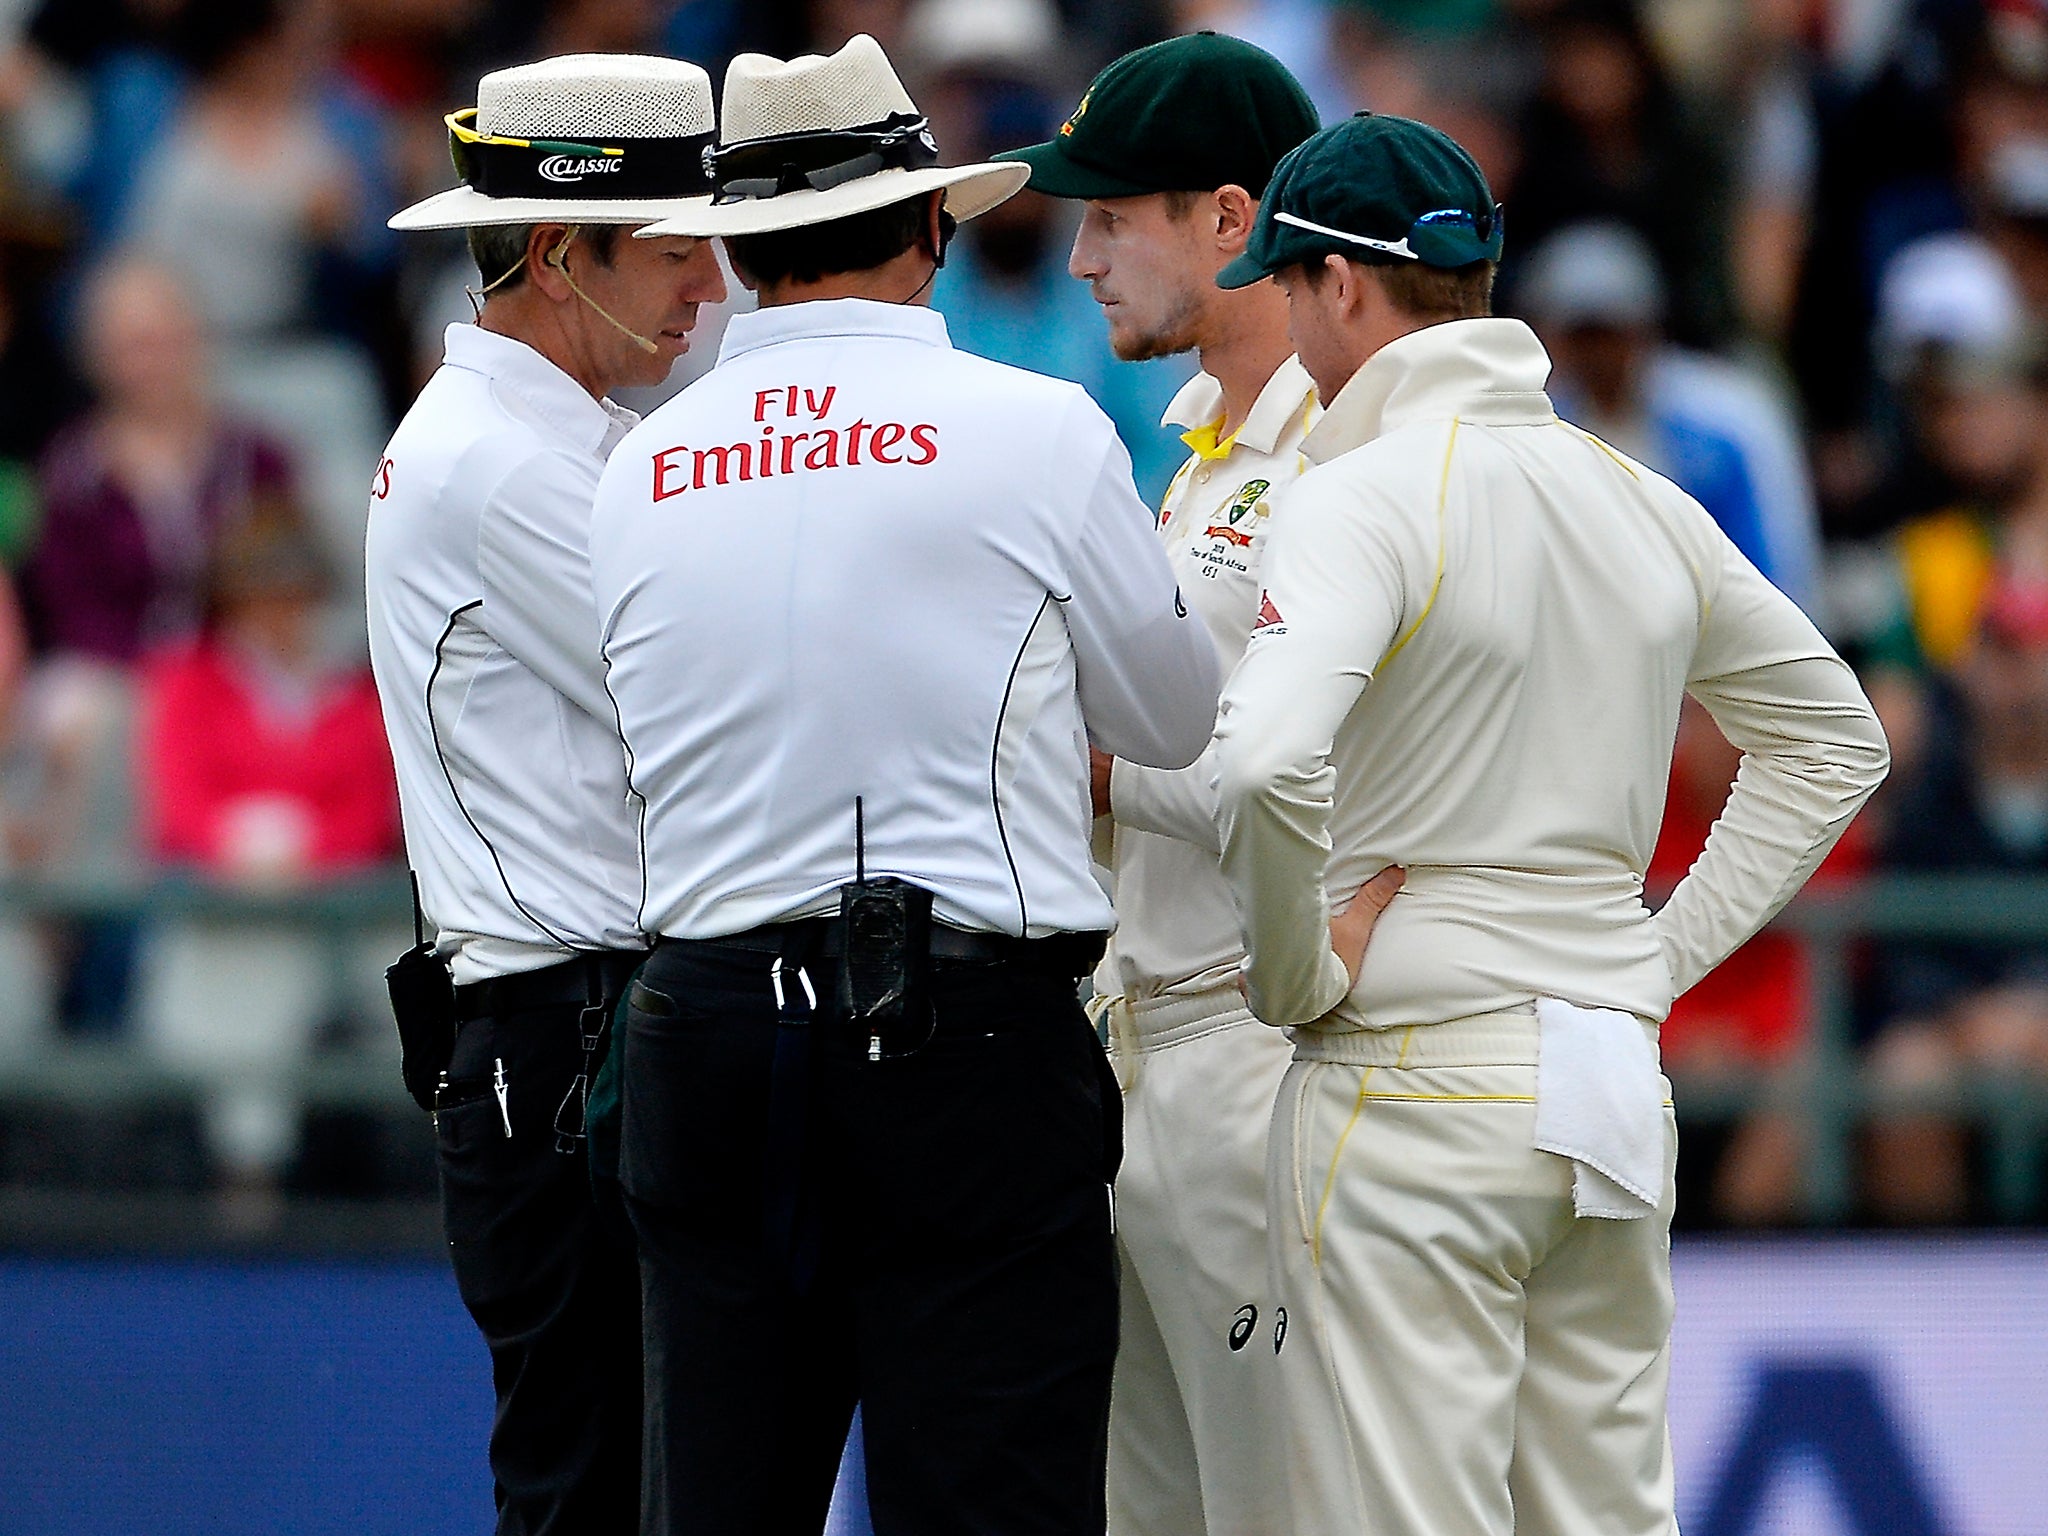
x=820 y=319
x=1281 y=403
x=1487 y=370
x=592 y=425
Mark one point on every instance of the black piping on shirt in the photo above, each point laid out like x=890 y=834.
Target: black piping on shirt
x=434 y=729
x=995 y=752
x=619 y=721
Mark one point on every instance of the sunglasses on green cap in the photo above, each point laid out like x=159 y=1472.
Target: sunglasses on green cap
x=1372 y=172
x=1442 y=238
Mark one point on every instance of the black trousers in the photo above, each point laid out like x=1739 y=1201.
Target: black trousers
x=952 y=1267
x=555 y=1295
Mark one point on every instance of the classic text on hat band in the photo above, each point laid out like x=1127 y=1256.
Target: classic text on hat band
x=498 y=165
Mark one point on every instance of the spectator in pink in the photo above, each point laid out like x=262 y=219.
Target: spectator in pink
x=137 y=491
x=261 y=763
x=260 y=759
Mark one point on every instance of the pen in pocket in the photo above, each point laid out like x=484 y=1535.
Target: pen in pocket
x=504 y=1092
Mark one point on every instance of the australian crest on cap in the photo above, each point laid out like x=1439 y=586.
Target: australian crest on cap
x=1079 y=112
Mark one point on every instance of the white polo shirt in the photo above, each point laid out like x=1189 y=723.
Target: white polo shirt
x=1176 y=931
x=852 y=561
x=483 y=638
x=1478 y=625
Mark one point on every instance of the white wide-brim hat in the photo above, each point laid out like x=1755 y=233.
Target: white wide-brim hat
x=817 y=139
x=586 y=138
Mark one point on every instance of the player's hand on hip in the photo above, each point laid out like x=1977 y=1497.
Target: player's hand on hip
x=1350 y=932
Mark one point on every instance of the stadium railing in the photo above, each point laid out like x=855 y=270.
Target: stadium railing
x=1827 y=1087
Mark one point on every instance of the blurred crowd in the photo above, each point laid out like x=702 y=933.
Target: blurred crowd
x=1793 y=253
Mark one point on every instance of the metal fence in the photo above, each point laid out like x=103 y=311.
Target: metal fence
x=1830 y=1089
x=1827 y=1087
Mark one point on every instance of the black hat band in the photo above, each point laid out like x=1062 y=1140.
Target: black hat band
x=819 y=161
x=499 y=165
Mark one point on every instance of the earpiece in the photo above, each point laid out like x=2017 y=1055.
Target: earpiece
x=558 y=258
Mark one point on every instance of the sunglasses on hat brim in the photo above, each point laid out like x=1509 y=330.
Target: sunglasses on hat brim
x=1430 y=228
x=818 y=161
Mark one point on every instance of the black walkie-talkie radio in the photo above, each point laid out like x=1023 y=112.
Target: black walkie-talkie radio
x=884 y=974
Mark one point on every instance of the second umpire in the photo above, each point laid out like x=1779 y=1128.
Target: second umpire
x=510 y=775
x=865 y=598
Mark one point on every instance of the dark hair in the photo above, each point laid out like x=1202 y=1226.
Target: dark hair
x=501 y=248
x=852 y=244
x=270 y=552
x=1423 y=292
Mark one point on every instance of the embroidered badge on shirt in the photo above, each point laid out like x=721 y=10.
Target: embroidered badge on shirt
x=1237 y=525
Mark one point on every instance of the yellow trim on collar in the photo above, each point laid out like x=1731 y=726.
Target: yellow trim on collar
x=1202 y=441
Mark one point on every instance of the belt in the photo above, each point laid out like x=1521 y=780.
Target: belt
x=1059 y=954
x=591 y=975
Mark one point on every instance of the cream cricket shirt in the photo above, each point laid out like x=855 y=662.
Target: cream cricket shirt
x=1477 y=628
x=1176 y=929
x=851 y=561
x=483 y=639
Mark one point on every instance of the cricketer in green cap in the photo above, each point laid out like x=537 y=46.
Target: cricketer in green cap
x=1170 y=148
x=1374 y=228
x=1375 y=189
x=1186 y=115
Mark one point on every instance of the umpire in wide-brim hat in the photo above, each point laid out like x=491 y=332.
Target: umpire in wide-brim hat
x=519 y=821
x=814 y=139
x=863 y=595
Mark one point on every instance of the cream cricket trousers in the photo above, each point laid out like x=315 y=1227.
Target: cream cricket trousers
x=1192 y=1443
x=1464 y=1356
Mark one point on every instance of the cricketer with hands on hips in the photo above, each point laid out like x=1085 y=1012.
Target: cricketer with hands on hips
x=1477 y=627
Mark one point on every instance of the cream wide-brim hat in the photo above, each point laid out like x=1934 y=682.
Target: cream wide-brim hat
x=579 y=99
x=852 y=90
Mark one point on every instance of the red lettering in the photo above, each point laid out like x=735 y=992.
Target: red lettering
x=381 y=486
x=761 y=399
x=815 y=406
x=853 y=440
x=723 y=456
x=767 y=459
x=926 y=436
x=788 y=448
x=827 y=445
x=789 y=408
x=667 y=462
x=887 y=436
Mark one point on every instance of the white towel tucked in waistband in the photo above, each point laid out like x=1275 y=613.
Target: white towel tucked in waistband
x=1599 y=1102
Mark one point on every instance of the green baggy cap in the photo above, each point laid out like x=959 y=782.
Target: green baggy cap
x=1187 y=115
x=1380 y=190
